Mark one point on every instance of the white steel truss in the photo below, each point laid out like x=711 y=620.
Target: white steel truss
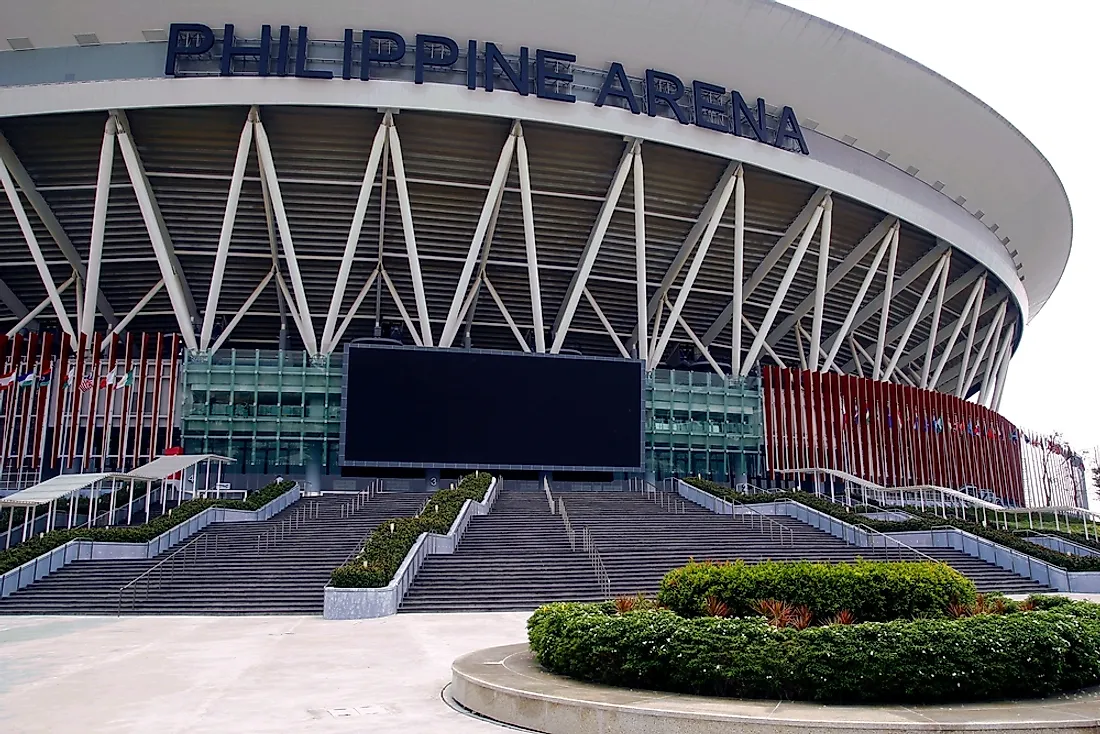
x=33 y=313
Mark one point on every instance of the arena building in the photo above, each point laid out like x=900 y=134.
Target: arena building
x=821 y=254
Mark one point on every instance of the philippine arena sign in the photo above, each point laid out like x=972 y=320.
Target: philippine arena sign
x=549 y=75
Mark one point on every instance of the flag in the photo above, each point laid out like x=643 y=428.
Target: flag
x=70 y=376
x=86 y=383
x=44 y=379
x=6 y=380
x=125 y=380
x=26 y=379
x=108 y=380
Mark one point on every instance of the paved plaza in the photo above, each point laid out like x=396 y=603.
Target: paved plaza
x=163 y=675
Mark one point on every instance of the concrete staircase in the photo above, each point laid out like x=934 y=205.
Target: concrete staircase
x=231 y=568
x=519 y=557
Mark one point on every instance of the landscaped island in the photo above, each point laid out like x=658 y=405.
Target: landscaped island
x=836 y=633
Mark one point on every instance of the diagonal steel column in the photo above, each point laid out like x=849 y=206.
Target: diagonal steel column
x=887 y=297
x=990 y=335
x=354 y=307
x=398 y=160
x=641 y=286
x=916 y=316
x=937 y=312
x=529 y=237
x=819 y=291
x=737 y=316
x=99 y=223
x=243 y=310
x=606 y=324
x=993 y=366
x=960 y=322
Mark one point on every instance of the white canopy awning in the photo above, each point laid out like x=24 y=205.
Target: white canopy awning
x=55 y=488
x=163 y=467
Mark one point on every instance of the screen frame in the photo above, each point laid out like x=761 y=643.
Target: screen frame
x=483 y=466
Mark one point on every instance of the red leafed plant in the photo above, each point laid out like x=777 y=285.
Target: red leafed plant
x=844 y=616
x=715 y=607
x=801 y=617
x=778 y=613
x=1027 y=605
x=960 y=610
x=624 y=604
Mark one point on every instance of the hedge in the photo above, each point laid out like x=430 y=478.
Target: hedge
x=386 y=548
x=979 y=658
x=923 y=521
x=872 y=591
x=20 y=554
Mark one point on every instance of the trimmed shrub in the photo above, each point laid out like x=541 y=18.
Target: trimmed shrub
x=20 y=554
x=979 y=658
x=872 y=591
x=924 y=521
x=390 y=542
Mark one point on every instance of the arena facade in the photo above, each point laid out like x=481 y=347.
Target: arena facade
x=823 y=254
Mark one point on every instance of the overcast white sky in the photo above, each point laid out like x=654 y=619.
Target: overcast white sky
x=1033 y=63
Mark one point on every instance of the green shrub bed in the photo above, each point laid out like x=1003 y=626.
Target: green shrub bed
x=923 y=521
x=872 y=592
x=981 y=657
x=20 y=554
x=390 y=542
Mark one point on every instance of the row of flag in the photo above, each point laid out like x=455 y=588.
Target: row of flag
x=86 y=383
x=931 y=424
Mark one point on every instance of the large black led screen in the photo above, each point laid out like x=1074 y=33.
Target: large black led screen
x=406 y=406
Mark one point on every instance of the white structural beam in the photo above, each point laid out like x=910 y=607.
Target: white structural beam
x=354 y=308
x=937 y=312
x=869 y=242
x=975 y=314
x=158 y=234
x=992 y=334
x=1002 y=373
x=13 y=302
x=736 y=316
x=500 y=177
x=606 y=324
x=849 y=319
x=267 y=170
x=855 y=354
x=781 y=290
x=528 y=208
x=975 y=293
x=993 y=365
x=401 y=309
x=507 y=316
x=398 y=160
x=640 y=273
x=243 y=310
x=774 y=255
x=328 y=343
x=767 y=347
x=887 y=297
x=699 y=345
x=822 y=283
x=33 y=313
x=36 y=250
x=687 y=246
x=99 y=224
x=236 y=181
x=288 y=299
x=475 y=292
x=928 y=260
x=693 y=271
x=953 y=377
x=592 y=248
x=799 y=332
x=133 y=312
x=916 y=316
x=49 y=220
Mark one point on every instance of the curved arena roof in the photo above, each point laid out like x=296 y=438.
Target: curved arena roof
x=888 y=137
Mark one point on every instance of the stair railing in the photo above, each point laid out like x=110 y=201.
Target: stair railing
x=568 y=525
x=594 y=557
x=549 y=497
x=272 y=536
x=890 y=541
x=754 y=517
x=200 y=546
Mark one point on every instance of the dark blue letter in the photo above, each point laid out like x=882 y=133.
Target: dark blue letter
x=653 y=95
x=699 y=92
x=230 y=49
x=385 y=57
x=788 y=120
x=544 y=75
x=284 y=51
x=300 y=59
x=450 y=56
x=471 y=64
x=176 y=48
x=521 y=78
x=618 y=74
x=759 y=125
x=349 y=46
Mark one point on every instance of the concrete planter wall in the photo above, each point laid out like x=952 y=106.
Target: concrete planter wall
x=383 y=601
x=84 y=550
x=1080 y=582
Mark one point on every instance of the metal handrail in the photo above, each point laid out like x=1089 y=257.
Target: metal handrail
x=549 y=496
x=774 y=526
x=665 y=499
x=902 y=547
x=273 y=535
x=169 y=564
x=594 y=557
x=568 y=525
